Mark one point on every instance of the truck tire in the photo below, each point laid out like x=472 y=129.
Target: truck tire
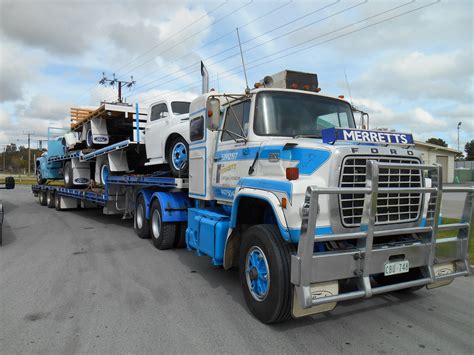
x=178 y=160
x=57 y=202
x=141 y=225
x=68 y=175
x=163 y=234
x=39 y=178
x=50 y=198
x=180 y=240
x=264 y=268
x=42 y=198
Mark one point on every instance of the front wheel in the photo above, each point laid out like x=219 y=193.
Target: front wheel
x=178 y=157
x=264 y=268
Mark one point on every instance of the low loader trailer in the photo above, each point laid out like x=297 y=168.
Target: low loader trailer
x=283 y=186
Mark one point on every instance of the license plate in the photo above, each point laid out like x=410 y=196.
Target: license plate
x=398 y=267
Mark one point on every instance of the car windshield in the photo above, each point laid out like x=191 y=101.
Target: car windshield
x=180 y=107
x=292 y=114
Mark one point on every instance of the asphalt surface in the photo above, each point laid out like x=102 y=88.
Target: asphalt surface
x=80 y=282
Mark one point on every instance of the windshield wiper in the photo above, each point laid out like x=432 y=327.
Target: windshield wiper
x=307 y=136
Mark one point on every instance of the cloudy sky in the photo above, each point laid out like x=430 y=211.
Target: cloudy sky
x=408 y=63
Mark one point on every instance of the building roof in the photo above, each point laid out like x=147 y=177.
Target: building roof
x=437 y=147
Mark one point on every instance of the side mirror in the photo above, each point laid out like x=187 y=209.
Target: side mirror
x=213 y=107
x=9 y=182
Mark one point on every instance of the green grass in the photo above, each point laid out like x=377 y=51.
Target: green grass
x=444 y=249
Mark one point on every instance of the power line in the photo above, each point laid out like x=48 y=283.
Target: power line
x=169 y=38
x=319 y=43
x=249 y=40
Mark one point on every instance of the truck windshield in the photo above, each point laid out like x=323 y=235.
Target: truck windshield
x=180 y=107
x=292 y=114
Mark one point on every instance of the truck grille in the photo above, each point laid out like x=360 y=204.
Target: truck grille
x=391 y=208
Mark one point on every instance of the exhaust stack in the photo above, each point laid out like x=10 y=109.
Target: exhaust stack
x=205 y=79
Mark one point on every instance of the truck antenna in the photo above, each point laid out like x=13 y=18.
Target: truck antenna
x=348 y=87
x=247 y=89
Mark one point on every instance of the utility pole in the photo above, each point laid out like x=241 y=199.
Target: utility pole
x=29 y=134
x=120 y=83
x=459 y=127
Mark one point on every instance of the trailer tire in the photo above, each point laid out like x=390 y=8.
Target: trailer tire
x=89 y=138
x=50 y=198
x=68 y=175
x=57 y=202
x=178 y=157
x=163 y=234
x=264 y=268
x=140 y=224
x=42 y=198
x=180 y=240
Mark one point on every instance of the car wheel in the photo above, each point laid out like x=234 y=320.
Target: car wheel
x=178 y=159
x=68 y=175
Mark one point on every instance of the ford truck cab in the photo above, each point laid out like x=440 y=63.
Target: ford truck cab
x=301 y=199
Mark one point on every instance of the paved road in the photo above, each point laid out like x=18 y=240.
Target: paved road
x=81 y=282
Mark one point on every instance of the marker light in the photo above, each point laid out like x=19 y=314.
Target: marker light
x=341 y=96
x=318 y=89
x=283 y=202
x=209 y=113
x=306 y=87
x=292 y=173
x=294 y=86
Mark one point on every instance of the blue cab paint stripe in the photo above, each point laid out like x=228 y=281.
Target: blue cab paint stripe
x=309 y=159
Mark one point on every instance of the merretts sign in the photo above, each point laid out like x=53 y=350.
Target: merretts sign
x=331 y=135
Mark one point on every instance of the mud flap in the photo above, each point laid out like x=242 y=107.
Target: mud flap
x=440 y=270
x=318 y=290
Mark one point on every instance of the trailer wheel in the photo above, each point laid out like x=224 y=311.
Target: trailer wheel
x=264 y=268
x=140 y=224
x=104 y=173
x=180 y=240
x=42 y=198
x=163 y=234
x=50 y=198
x=178 y=160
x=68 y=175
x=57 y=202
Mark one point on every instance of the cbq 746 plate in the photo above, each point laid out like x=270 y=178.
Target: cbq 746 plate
x=398 y=267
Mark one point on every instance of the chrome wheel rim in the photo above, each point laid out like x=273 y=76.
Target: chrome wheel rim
x=156 y=224
x=139 y=217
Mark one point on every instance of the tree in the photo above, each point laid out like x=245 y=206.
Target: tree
x=469 y=149
x=437 y=141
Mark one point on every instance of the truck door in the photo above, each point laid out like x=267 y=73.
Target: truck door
x=234 y=155
x=158 y=119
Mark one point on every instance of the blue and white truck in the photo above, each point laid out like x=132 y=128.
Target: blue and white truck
x=283 y=186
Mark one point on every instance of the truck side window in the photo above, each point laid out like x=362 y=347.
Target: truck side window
x=197 y=129
x=242 y=113
x=159 y=111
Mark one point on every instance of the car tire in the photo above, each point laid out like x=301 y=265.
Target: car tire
x=89 y=138
x=264 y=269
x=42 y=198
x=39 y=178
x=68 y=175
x=104 y=172
x=50 y=198
x=141 y=225
x=163 y=234
x=178 y=157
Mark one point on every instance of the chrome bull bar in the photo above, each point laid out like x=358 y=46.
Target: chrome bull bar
x=308 y=267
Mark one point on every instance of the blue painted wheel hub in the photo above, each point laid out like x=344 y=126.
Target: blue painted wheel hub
x=104 y=174
x=179 y=156
x=257 y=273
